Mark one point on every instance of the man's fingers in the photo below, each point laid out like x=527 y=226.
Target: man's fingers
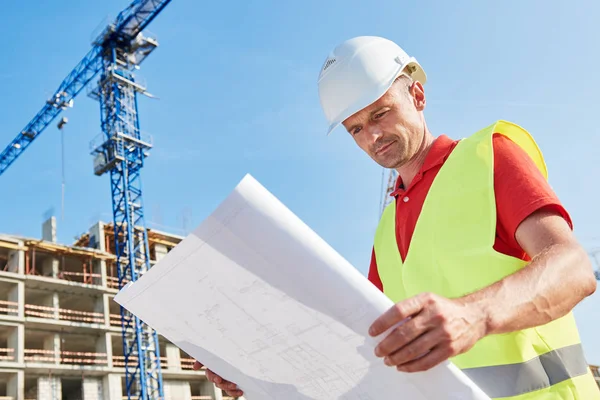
x=210 y=375
x=401 y=336
x=214 y=378
x=416 y=349
x=197 y=366
x=226 y=385
x=229 y=387
x=397 y=313
x=234 y=393
x=434 y=357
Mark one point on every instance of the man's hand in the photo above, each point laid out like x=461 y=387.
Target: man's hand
x=437 y=329
x=229 y=387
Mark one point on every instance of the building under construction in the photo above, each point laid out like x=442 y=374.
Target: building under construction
x=60 y=330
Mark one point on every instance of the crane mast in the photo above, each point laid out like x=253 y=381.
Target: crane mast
x=120 y=151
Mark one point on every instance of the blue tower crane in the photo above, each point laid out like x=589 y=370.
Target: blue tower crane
x=121 y=150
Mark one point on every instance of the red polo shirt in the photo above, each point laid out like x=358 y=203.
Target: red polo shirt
x=519 y=186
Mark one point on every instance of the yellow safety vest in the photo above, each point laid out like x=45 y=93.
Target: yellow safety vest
x=451 y=254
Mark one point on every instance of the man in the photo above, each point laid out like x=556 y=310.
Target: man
x=475 y=250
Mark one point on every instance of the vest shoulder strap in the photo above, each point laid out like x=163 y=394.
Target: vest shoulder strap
x=521 y=137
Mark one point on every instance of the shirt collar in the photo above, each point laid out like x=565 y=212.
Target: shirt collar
x=440 y=149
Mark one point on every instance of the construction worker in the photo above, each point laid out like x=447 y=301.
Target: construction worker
x=476 y=250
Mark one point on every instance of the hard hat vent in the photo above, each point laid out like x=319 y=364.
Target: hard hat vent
x=328 y=63
x=402 y=59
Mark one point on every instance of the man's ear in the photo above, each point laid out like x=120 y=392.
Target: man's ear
x=418 y=93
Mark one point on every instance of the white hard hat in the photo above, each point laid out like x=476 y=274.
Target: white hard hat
x=358 y=72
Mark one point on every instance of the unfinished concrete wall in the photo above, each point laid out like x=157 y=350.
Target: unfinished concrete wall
x=99 y=268
x=107 y=345
x=49 y=230
x=49 y=388
x=173 y=357
x=97 y=239
x=50 y=266
x=177 y=390
x=16 y=261
x=17 y=295
x=99 y=305
x=10 y=297
x=15 y=387
x=204 y=388
x=16 y=341
x=93 y=389
x=116 y=343
x=160 y=251
x=112 y=387
x=52 y=344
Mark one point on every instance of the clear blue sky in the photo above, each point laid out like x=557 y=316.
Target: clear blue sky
x=237 y=88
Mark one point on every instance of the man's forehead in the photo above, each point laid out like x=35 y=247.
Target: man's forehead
x=365 y=112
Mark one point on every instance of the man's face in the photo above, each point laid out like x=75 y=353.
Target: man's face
x=391 y=130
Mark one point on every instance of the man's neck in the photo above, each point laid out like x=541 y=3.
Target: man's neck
x=409 y=170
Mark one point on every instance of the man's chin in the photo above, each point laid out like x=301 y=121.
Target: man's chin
x=388 y=164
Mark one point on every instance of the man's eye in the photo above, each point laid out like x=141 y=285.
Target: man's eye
x=381 y=114
x=356 y=130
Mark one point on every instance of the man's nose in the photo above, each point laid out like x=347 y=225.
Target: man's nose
x=374 y=132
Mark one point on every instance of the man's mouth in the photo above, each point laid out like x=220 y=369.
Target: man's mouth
x=383 y=148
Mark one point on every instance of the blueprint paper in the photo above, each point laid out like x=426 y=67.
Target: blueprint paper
x=258 y=297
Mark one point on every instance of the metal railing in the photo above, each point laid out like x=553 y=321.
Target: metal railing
x=7 y=354
x=9 y=307
x=88 y=278
x=186 y=364
x=112 y=282
x=65 y=357
x=63 y=314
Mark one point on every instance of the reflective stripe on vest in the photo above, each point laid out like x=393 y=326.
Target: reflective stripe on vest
x=538 y=373
x=451 y=254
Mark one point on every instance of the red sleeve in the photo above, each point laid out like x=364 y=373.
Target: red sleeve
x=520 y=190
x=373 y=274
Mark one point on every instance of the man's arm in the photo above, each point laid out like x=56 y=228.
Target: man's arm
x=558 y=277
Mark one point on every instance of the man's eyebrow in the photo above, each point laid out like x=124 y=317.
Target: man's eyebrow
x=377 y=110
